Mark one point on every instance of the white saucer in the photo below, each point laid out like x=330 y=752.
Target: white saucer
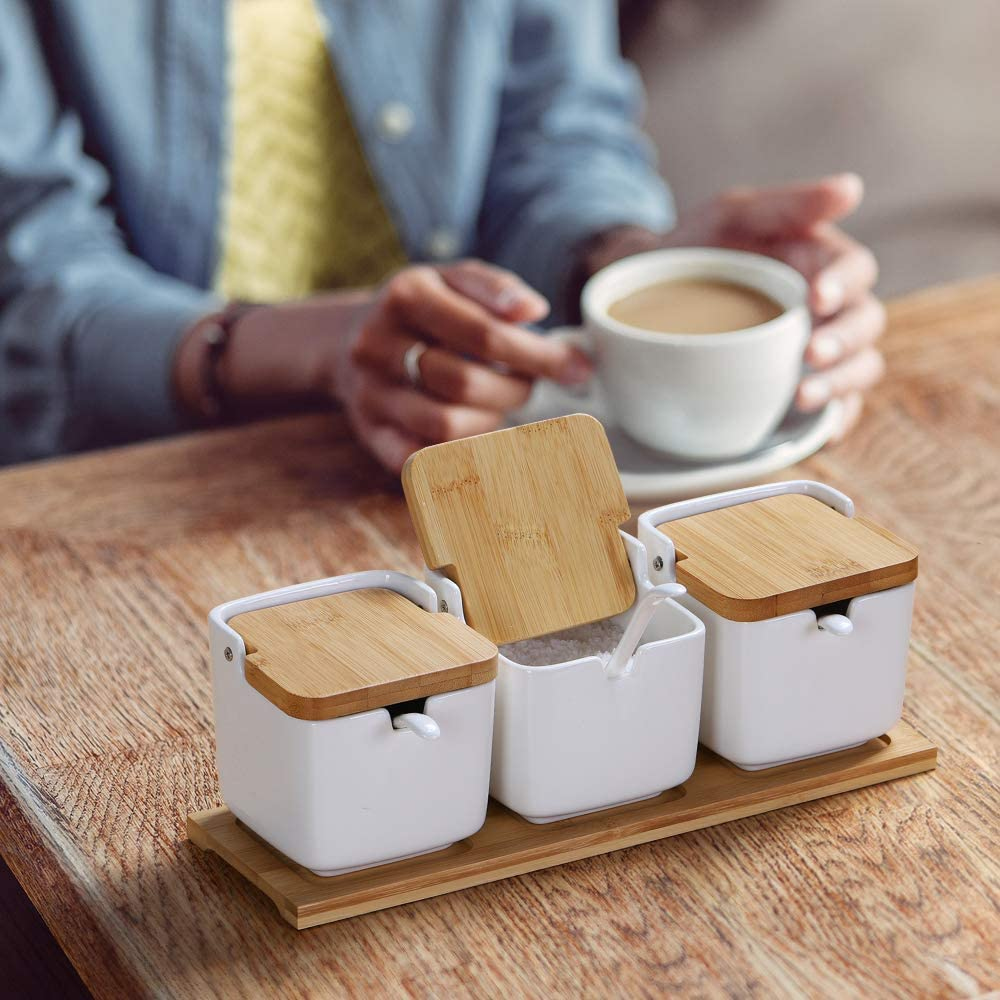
x=654 y=475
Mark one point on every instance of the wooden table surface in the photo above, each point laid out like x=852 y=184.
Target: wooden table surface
x=109 y=563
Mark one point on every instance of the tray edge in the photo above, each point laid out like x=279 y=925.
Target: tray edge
x=920 y=757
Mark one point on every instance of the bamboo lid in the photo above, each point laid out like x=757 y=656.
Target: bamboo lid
x=783 y=554
x=327 y=657
x=525 y=521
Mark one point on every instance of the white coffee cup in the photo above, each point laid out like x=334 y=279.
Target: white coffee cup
x=699 y=396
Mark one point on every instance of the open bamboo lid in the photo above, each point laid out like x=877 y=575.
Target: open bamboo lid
x=525 y=521
x=783 y=554
x=327 y=657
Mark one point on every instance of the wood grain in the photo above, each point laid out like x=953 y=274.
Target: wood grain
x=109 y=564
x=784 y=554
x=525 y=521
x=507 y=845
x=333 y=656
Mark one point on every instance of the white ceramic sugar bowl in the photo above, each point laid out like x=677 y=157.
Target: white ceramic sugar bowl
x=357 y=729
x=807 y=615
x=520 y=529
x=572 y=738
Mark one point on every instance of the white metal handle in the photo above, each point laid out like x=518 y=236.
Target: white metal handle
x=620 y=664
x=661 y=546
x=835 y=624
x=423 y=725
x=575 y=335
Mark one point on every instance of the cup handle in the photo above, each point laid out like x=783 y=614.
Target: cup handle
x=579 y=337
x=575 y=335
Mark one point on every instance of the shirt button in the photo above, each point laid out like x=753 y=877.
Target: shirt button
x=395 y=121
x=442 y=244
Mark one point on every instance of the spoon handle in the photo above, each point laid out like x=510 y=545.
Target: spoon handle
x=423 y=725
x=836 y=624
x=619 y=664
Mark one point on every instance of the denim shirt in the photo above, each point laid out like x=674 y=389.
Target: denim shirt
x=503 y=129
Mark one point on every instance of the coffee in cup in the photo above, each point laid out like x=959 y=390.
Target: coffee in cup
x=695 y=305
x=691 y=382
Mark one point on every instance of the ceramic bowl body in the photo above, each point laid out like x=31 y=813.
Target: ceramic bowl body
x=699 y=396
x=569 y=740
x=784 y=689
x=347 y=793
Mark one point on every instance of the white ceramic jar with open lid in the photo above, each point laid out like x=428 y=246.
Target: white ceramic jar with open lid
x=807 y=614
x=353 y=722
x=520 y=531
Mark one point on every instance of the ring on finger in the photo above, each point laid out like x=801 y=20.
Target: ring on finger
x=411 y=363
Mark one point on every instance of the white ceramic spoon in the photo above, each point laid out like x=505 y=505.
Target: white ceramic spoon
x=620 y=663
x=423 y=725
x=836 y=624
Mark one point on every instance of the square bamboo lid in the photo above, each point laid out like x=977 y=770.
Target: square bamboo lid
x=783 y=554
x=328 y=657
x=525 y=521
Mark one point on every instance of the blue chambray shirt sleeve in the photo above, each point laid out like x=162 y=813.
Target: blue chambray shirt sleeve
x=87 y=332
x=569 y=159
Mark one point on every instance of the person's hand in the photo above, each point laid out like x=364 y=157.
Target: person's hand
x=478 y=365
x=796 y=223
x=474 y=362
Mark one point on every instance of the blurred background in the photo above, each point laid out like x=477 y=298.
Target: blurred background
x=905 y=92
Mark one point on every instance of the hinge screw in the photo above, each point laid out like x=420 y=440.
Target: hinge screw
x=228 y=654
x=658 y=563
x=442 y=605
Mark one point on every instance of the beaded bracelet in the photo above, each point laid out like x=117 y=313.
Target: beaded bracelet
x=216 y=332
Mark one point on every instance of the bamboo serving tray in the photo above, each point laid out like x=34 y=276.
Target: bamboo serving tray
x=508 y=845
